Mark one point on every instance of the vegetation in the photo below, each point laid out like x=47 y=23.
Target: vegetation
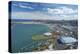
x=23 y=22
x=39 y=37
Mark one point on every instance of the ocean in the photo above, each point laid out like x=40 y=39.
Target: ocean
x=21 y=36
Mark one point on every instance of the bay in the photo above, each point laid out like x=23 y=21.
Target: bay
x=21 y=36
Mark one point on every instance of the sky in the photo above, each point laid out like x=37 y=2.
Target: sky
x=48 y=11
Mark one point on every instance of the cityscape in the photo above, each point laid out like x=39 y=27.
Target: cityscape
x=43 y=26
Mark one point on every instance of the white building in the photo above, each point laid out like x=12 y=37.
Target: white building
x=47 y=34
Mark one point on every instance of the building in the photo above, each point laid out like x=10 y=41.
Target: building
x=47 y=34
x=68 y=41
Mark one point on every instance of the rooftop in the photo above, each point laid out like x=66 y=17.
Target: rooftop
x=68 y=39
x=47 y=34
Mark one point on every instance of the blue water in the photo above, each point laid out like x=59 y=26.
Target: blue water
x=22 y=36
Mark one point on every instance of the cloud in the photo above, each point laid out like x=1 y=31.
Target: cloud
x=23 y=6
x=69 y=17
x=54 y=11
x=40 y=15
x=14 y=4
x=61 y=10
x=59 y=13
x=31 y=15
x=63 y=13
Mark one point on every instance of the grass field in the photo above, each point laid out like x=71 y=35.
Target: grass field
x=39 y=37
